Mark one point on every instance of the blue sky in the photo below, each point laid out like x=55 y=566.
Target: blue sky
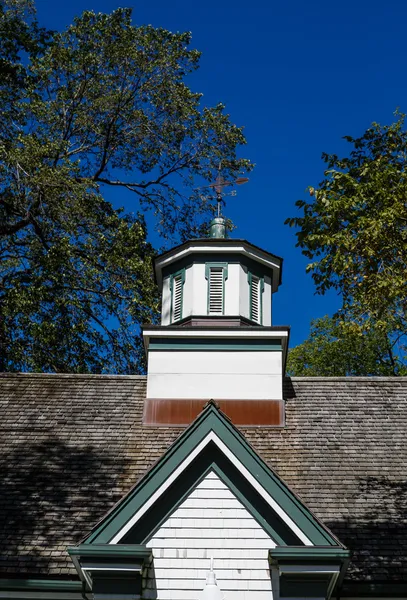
x=298 y=76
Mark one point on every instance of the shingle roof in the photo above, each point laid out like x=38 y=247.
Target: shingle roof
x=72 y=445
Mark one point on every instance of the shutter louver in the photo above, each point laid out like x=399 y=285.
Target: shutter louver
x=177 y=298
x=216 y=290
x=255 y=299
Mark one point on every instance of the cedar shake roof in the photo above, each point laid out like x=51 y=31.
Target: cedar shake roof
x=71 y=446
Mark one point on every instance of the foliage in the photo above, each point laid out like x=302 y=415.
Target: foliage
x=102 y=104
x=354 y=230
x=333 y=350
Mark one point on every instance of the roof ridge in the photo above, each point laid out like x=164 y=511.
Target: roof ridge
x=349 y=378
x=75 y=375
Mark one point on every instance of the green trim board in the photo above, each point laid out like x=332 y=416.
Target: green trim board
x=43 y=585
x=211 y=420
x=348 y=590
x=181 y=274
x=189 y=343
x=136 y=551
x=308 y=571
x=111 y=569
x=210 y=460
x=300 y=554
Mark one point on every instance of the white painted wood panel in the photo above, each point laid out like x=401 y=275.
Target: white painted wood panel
x=211 y=522
x=166 y=302
x=200 y=290
x=244 y=308
x=213 y=361
x=267 y=302
x=215 y=374
x=232 y=290
x=215 y=386
x=188 y=293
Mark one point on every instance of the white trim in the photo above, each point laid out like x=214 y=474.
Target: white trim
x=212 y=437
x=214 y=249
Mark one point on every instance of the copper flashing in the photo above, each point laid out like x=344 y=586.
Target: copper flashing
x=180 y=412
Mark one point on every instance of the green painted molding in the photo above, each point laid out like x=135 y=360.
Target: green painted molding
x=223 y=265
x=181 y=273
x=302 y=554
x=187 y=482
x=111 y=550
x=49 y=585
x=261 y=345
x=212 y=419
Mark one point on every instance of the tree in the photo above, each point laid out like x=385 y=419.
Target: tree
x=354 y=230
x=334 y=349
x=19 y=35
x=102 y=104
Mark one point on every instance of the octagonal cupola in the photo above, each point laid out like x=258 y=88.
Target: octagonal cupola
x=217 y=280
x=216 y=340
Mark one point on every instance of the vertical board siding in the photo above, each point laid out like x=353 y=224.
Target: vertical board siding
x=211 y=522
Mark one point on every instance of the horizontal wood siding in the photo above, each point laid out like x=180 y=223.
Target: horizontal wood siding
x=211 y=522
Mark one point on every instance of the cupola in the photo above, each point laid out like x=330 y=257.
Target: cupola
x=216 y=340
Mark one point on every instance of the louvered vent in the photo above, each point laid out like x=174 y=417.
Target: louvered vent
x=216 y=291
x=177 y=298
x=255 y=299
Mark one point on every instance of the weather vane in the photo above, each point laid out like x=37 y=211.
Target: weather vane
x=218 y=186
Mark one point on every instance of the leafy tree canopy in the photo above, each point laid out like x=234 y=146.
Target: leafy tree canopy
x=334 y=349
x=354 y=231
x=102 y=104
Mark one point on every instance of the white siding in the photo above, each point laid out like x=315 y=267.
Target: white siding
x=251 y=375
x=211 y=522
x=243 y=293
x=232 y=290
x=166 y=302
x=188 y=298
x=267 y=302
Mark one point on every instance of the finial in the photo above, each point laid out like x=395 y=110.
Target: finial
x=217 y=228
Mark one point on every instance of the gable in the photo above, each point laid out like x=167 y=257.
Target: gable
x=210 y=523
x=211 y=443
x=210 y=493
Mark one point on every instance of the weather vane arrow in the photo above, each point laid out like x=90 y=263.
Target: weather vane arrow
x=218 y=186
